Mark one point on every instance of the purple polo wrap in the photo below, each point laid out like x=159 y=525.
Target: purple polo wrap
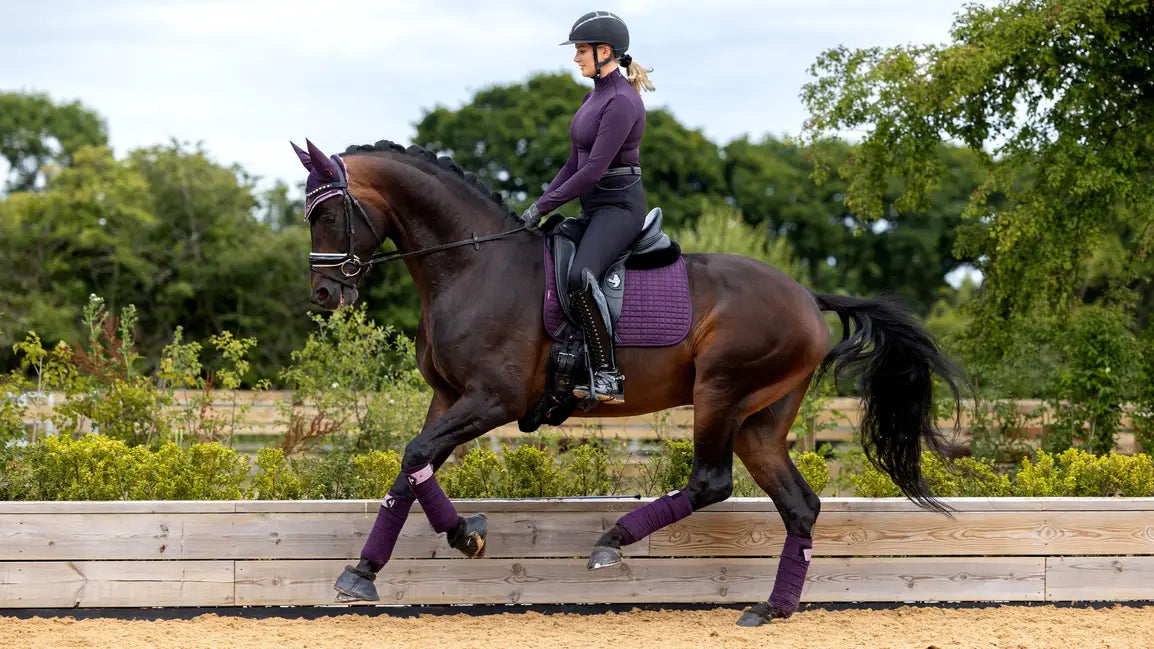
x=440 y=510
x=383 y=537
x=647 y=519
x=791 y=569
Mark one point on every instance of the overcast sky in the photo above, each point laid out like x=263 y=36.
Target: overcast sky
x=245 y=76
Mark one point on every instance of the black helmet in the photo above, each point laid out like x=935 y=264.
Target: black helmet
x=600 y=27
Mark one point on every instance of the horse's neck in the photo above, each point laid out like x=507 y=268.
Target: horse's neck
x=427 y=220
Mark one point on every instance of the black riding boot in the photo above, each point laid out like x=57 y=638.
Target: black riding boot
x=608 y=383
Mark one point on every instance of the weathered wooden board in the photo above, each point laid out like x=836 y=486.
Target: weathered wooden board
x=281 y=536
x=649 y=580
x=88 y=584
x=915 y=534
x=1099 y=578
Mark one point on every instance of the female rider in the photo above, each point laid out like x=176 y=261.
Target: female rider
x=604 y=172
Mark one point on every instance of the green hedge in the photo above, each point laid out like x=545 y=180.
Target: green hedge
x=1072 y=472
x=96 y=467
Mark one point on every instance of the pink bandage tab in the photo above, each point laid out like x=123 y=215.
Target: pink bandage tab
x=807 y=552
x=422 y=474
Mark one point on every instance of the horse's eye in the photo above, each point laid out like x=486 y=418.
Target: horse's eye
x=330 y=218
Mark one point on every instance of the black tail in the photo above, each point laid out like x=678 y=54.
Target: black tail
x=895 y=359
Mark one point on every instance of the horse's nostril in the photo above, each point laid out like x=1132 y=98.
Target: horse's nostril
x=322 y=294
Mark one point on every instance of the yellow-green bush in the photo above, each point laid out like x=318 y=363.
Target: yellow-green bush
x=813 y=468
x=586 y=470
x=480 y=474
x=276 y=478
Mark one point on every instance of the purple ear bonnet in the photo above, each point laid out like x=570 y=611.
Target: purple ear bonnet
x=328 y=176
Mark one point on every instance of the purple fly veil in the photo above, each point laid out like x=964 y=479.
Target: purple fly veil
x=323 y=170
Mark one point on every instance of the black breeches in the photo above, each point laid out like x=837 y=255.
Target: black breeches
x=616 y=210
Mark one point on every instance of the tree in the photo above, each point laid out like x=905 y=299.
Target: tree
x=1058 y=100
x=35 y=132
x=167 y=230
x=722 y=230
x=907 y=252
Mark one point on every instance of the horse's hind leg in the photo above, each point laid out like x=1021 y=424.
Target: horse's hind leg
x=761 y=445
x=716 y=419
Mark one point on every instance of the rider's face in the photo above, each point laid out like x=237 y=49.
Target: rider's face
x=584 y=58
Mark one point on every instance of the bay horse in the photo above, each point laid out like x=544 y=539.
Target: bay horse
x=756 y=342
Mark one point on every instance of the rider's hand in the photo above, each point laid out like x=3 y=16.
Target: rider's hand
x=530 y=217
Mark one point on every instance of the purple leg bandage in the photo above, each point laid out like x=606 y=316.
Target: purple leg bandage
x=383 y=537
x=791 y=569
x=442 y=515
x=645 y=520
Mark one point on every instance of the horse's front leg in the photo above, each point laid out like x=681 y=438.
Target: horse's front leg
x=470 y=416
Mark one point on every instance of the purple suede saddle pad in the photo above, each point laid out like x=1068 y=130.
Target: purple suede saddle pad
x=656 y=310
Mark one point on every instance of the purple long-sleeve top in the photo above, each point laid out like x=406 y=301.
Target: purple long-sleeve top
x=606 y=131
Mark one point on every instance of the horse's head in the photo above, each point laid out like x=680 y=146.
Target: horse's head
x=343 y=232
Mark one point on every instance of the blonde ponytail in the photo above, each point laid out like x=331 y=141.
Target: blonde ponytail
x=639 y=77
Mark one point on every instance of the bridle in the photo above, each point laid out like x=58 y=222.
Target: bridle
x=350 y=265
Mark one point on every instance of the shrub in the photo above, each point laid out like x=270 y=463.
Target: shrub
x=531 y=472
x=585 y=470
x=480 y=474
x=276 y=478
x=352 y=365
x=374 y=473
x=1102 y=362
x=813 y=468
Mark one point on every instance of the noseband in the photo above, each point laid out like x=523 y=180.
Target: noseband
x=350 y=265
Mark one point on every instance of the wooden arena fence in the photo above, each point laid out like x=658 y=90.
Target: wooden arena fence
x=145 y=554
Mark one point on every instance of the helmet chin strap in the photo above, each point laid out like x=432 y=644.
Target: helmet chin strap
x=597 y=65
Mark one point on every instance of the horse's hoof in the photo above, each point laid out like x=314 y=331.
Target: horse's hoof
x=760 y=614
x=356 y=585
x=470 y=537
x=604 y=556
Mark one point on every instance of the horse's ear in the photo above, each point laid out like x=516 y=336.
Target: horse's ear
x=303 y=155
x=321 y=162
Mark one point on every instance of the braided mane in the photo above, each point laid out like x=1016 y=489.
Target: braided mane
x=443 y=163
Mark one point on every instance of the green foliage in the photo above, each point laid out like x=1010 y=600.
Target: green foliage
x=964 y=477
x=1101 y=364
x=351 y=363
x=13 y=409
x=166 y=229
x=585 y=470
x=1052 y=96
x=374 y=473
x=675 y=465
x=275 y=478
x=813 y=468
x=1143 y=416
x=36 y=132
x=722 y=230
x=94 y=467
x=978 y=478
x=101 y=381
x=531 y=472
x=480 y=474
x=97 y=467
x=1077 y=473
x=999 y=429
x=871 y=482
